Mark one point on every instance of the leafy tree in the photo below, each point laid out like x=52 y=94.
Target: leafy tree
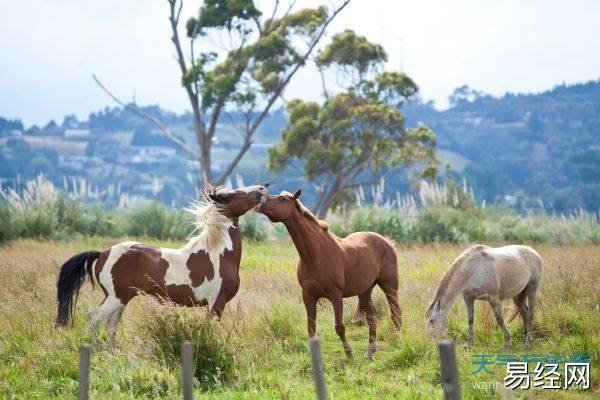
x=359 y=133
x=34 y=131
x=463 y=95
x=10 y=124
x=259 y=54
x=70 y=121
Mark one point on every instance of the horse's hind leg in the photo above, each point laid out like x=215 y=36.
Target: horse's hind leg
x=495 y=303
x=100 y=314
x=366 y=305
x=390 y=289
x=112 y=324
x=531 y=295
x=521 y=304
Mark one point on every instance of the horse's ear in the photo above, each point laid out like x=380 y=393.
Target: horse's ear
x=297 y=194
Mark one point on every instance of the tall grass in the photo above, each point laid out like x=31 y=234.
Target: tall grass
x=448 y=213
x=447 y=224
x=40 y=210
x=168 y=326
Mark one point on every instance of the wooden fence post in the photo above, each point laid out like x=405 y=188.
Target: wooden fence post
x=186 y=362
x=84 y=371
x=317 y=367
x=449 y=370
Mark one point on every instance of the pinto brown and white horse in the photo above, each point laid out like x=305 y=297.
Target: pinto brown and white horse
x=203 y=272
x=335 y=268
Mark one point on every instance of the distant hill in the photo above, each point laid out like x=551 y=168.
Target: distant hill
x=542 y=149
x=543 y=146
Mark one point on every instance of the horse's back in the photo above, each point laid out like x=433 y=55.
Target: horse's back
x=372 y=242
x=515 y=266
x=369 y=257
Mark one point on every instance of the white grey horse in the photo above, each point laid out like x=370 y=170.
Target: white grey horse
x=489 y=274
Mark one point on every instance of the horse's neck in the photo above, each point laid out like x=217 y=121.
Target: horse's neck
x=233 y=232
x=307 y=236
x=454 y=288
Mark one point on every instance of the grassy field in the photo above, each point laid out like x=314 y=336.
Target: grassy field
x=264 y=331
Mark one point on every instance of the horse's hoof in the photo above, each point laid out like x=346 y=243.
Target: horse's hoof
x=468 y=345
x=369 y=356
x=349 y=356
x=507 y=346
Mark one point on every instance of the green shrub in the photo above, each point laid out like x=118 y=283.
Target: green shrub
x=385 y=222
x=9 y=226
x=156 y=221
x=443 y=224
x=253 y=228
x=166 y=329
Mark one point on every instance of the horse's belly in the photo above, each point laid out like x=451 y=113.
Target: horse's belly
x=204 y=287
x=512 y=282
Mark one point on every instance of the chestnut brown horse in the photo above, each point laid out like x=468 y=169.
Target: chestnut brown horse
x=335 y=268
x=203 y=272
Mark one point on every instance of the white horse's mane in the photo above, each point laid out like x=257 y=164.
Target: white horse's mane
x=210 y=222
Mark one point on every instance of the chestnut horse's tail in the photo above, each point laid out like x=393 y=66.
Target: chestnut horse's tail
x=71 y=277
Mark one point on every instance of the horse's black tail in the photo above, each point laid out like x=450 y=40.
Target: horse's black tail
x=70 y=279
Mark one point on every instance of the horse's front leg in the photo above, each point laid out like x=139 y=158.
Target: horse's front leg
x=338 y=309
x=310 y=303
x=470 y=304
x=495 y=303
x=365 y=304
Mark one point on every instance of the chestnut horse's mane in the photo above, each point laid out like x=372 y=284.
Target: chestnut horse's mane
x=305 y=211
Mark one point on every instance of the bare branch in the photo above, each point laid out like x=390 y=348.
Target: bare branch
x=240 y=130
x=291 y=5
x=131 y=107
x=300 y=63
x=174 y=19
x=245 y=146
x=252 y=130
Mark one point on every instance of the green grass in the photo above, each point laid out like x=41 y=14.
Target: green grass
x=260 y=345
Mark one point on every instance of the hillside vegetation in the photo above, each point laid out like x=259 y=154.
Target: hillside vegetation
x=542 y=150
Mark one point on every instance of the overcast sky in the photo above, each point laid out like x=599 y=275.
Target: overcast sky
x=50 y=48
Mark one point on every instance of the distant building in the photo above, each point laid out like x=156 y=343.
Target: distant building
x=78 y=163
x=144 y=154
x=12 y=132
x=77 y=133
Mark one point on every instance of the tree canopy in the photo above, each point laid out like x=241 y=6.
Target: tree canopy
x=359 y=133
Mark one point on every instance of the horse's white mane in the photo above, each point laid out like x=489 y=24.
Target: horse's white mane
x=210 y=222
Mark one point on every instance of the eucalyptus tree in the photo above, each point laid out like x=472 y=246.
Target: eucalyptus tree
x=235 y=56
x=358 y=134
